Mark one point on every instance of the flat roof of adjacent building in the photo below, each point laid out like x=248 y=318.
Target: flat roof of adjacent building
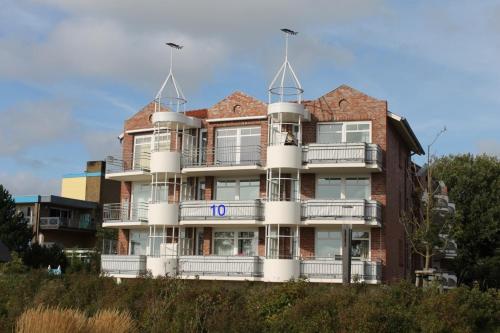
x=54 y=199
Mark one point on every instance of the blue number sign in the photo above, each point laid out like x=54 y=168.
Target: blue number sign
x=218 y=210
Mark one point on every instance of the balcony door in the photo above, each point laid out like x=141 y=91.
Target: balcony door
x=237 y=145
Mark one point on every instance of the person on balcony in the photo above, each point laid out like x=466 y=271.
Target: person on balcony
x=290 y=139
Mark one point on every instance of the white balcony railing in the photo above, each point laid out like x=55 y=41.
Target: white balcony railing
x=220 y=266
x=367 y=210
x=222 y=156
x=222 y=210
x=133 y=265
x=128 y=163
x=332 y=269
x=320 y=153
x=125 y=212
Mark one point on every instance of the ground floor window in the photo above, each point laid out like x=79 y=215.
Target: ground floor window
x=228 y=243
x=328 y=244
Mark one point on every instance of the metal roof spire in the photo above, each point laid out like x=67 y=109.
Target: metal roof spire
x=170 y=94
x=285 y=84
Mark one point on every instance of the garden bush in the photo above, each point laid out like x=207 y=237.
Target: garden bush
x=174 y=305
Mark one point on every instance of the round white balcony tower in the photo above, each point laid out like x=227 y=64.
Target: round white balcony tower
x=172 y=130
x=284 y=161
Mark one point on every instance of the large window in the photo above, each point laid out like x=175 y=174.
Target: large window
x=347 y=132
x=329 y=244
x=237 y=145
x=237 y=189
x=228 y=243
x=350 y=188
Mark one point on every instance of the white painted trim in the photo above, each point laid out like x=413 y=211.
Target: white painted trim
x=142 y=130
x=235 y=238
x=343 y=178
x=219 y=120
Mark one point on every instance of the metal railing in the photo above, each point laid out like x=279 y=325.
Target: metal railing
x=327 y=268
x=222 y=210
x=222 y=156
x=341 y=209
x=369 y=153
x=64 y=222
x=126 y=265
x=127 y=163
x=125 y=212
x=221 y=266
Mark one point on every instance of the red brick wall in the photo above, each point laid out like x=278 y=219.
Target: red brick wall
x=308 y=186
x=307 y=242
x=207 y=241
x=123 y=238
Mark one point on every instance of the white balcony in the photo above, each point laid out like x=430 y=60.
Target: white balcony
x=226 y=161
x=125 y=215
x=130 y=167
x=351 y=156
x=366 y=212
x=329 y=270
x=220 y=267
x=123 y=266
x=221 y=212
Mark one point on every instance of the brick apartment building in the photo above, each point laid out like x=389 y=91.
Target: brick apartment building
x=247 y=190
x=236 y=196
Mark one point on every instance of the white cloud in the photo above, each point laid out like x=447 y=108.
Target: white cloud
x=25 y=183
x=33 y=124
x=123 y=40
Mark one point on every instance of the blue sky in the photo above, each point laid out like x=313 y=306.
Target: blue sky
x=72 y=71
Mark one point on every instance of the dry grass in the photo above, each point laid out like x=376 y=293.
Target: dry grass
x=48 y=320
x=111 y=321
x=41 y=319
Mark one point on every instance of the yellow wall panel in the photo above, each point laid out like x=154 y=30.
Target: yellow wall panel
x=74 y=187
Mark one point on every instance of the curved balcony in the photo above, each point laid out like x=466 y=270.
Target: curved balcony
x=129 y=167
x=125 y=215
x=352 y=156
x=165 y=162
x=163 y=213
x=282 y=212
x=284 y=156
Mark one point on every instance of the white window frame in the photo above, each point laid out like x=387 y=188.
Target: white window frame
x=343 y=179
x=317 y=230
x=237 y=185
x=238 y=138
x=236 y=238
x=344 y=131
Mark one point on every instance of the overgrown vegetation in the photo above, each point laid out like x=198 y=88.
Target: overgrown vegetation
x=172 y=305
x=474 y=186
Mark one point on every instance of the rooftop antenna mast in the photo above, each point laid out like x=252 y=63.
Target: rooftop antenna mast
x=279 y=87
x=170 y=94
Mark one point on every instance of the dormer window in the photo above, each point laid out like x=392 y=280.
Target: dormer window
x=345 y=132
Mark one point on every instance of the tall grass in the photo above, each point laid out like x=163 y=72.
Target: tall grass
x=44 y=319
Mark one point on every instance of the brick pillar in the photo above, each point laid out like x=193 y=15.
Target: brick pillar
x=307 y=242
x=123 y=237
x=261 y=247
x=209 y=188
x=207 y=241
